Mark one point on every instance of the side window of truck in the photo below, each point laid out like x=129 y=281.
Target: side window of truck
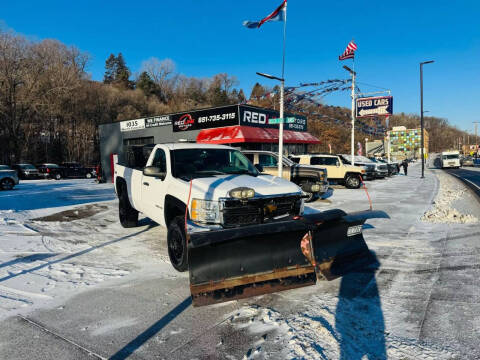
x=267 y=160
x=316 y=160
x=160 y=160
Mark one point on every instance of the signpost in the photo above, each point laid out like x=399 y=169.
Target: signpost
x=374 y=106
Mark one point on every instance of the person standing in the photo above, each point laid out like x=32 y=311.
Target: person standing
x=405 y=166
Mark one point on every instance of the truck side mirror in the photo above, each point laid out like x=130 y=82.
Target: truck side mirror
x=337 y=163
x=154 y=171
x=259 y=167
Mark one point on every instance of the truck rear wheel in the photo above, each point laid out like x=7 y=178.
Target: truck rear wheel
x=177 y=244
x=127 y=214
x=352 y=182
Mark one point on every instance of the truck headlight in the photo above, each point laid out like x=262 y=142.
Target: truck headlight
x=315 y=188
x=205 y=211
x=242 y=193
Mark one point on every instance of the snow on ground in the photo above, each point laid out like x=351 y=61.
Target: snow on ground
x=59 y=240
x=442 y=211
x=52 y=245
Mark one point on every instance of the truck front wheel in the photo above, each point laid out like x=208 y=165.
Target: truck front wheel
x=352 y=182
x=177 y=244
x=127 y=214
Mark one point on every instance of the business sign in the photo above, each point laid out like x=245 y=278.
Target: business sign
x=205 y=119
x=130 y=125
x=157 y=121
x=374 y=106
x=253 y=116
x=140 y=124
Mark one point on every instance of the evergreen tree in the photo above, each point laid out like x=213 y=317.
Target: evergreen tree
x=110 y=70
x=146 y=84
x=122 y=74
x=257 y=92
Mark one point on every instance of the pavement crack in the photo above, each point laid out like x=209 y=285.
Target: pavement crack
x=71 y=342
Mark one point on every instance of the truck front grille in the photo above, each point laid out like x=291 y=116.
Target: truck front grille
x=257 y=211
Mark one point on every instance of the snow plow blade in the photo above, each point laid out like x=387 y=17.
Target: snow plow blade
x=241 y=262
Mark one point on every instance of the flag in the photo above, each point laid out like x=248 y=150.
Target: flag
x=349 y=52
x=277 y=15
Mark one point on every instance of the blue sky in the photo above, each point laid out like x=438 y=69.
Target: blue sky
x=206 y=37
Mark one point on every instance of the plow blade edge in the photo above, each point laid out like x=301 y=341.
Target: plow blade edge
x=247 y=261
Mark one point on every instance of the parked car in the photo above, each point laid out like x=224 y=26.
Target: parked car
x=8 y=177
x=312 y=180
x=26 y=171
x=51 y=171
x=392 y=166
x=466 y=161
x=373 y=170
x=337 y=171
x=75 y=170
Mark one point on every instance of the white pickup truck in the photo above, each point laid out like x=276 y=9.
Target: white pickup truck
x=224 y=188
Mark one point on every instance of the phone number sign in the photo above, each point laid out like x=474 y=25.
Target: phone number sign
x=374 y=106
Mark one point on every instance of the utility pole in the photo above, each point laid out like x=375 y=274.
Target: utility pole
x=421 y=114
x=352 y=142
x=476 y=137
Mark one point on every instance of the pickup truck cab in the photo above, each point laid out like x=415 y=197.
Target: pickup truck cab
x=337 y=170
x=312 y=180
x=213 y=186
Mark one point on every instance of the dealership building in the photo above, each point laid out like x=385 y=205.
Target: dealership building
x=241 y=126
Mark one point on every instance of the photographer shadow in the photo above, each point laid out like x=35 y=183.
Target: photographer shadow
x=359 y=320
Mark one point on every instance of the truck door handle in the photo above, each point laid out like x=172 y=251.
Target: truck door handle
x=146 y=184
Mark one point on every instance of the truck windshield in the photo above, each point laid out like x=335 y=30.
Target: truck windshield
x=194 y=163
x=453 y=156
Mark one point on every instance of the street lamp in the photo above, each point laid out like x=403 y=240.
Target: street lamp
x=352 y=141
x=421 y=114
x=280 y=128
x=366 y=140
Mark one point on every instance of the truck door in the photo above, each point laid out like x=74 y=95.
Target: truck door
x=329 y=163
x=154 y=188
x=270 y=165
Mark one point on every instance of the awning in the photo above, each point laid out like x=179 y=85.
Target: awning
x=249 y=134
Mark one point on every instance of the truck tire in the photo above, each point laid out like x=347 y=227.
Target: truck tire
x=127 y=214
x=7 y=184
x=352 y=181
x=88 y=175
x=58 y=176
x=177 y=244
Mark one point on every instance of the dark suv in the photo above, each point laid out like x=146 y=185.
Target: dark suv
x=51 y=171
x=75 y=170
x=26 y=171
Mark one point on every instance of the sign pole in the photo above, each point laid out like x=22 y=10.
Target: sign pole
x=282 y=89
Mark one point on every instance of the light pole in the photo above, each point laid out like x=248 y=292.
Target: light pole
x=421 y=114
x=280 y=127
x=476 y=137
x=366 y=140
x=352 y=141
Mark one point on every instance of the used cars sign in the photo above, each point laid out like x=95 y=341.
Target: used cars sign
x=374 y=106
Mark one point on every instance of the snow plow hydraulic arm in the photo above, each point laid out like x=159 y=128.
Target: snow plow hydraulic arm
x=247 y=261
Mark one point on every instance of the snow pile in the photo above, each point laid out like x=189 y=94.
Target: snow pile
x=319 y=334
x=442 y=210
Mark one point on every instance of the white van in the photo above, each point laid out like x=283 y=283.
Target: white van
x=450 y=159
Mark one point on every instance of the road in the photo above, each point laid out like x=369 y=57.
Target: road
x=470 y=176
x=107 y=292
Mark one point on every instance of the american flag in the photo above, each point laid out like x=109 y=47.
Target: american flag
x=349 y=52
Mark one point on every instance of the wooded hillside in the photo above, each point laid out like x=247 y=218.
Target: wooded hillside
x=50 y=108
